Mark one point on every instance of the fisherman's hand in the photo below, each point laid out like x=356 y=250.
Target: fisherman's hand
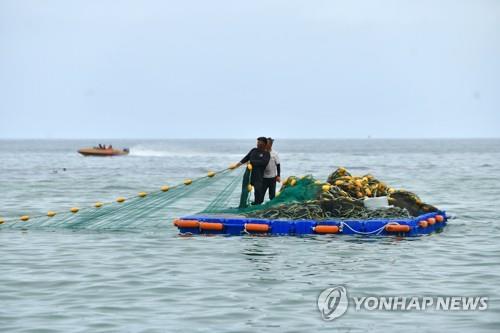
x=234 y=166
x=278 y=179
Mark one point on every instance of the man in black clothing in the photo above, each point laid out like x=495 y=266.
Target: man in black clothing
x=258 y=158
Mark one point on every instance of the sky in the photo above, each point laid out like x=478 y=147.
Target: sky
x=242 y=69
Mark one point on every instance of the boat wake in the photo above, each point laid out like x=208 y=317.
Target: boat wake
x=140 y=151
x=152 y=152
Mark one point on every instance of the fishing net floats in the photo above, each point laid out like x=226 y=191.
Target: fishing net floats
x=74 y=210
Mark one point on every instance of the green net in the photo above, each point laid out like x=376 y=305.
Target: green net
x=245 y=191
x=144 y=210
x=294 y=190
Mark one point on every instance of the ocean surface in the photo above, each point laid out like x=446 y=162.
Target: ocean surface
x=144 y=277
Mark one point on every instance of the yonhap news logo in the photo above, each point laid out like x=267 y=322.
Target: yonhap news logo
x=333 y=303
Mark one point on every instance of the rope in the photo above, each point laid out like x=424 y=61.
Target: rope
x=377 y=232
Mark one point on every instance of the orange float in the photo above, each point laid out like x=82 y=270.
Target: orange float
x=255 y=227
x=186 y=223
x=326 y=229
x=397 y=228
x=211 y=226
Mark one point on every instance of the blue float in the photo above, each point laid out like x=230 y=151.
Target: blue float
x=236 y=225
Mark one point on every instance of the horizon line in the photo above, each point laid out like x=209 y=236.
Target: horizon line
x=251 y=138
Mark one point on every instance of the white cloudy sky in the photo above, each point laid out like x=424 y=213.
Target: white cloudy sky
x=289 y=69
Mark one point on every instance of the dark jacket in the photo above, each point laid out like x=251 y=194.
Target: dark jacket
x=259 y=159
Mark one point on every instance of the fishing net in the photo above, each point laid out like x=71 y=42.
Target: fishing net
x=302 y=190
x=142 y=210
x=341 y=196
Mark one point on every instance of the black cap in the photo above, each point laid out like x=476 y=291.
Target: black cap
x=270 y=140
x=263 y=139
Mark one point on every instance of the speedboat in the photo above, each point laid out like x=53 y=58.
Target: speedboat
x=96 y=151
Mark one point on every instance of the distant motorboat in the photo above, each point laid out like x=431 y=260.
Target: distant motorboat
x=96 y=151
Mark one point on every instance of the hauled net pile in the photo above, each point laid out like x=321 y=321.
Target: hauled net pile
x=341 y=196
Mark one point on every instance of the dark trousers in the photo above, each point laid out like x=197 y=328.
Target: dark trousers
x=258 y=187
x=269 y=183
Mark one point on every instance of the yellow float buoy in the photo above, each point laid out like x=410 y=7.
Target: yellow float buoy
x=249 y=188
x=74 y=210
x=51 y=213
x=326 y=187
x=318 y=182
x=98 y=205
x=293 y=182
x=249 y=166
x=25 y=218
x=165 y=188
x=1 y=220
x=339 y=182
x=142 y=194
x=211 y=174
x=187 y=182
x=120 y=199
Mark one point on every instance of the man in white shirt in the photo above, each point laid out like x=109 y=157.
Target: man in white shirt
x=272 y=171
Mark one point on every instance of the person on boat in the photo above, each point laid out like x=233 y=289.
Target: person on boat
x=259 y=158
x=110 y=147
x=272 y=171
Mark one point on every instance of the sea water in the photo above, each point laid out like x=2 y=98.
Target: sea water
x=149 y=279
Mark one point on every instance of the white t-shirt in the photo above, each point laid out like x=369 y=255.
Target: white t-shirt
x=271 y=170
